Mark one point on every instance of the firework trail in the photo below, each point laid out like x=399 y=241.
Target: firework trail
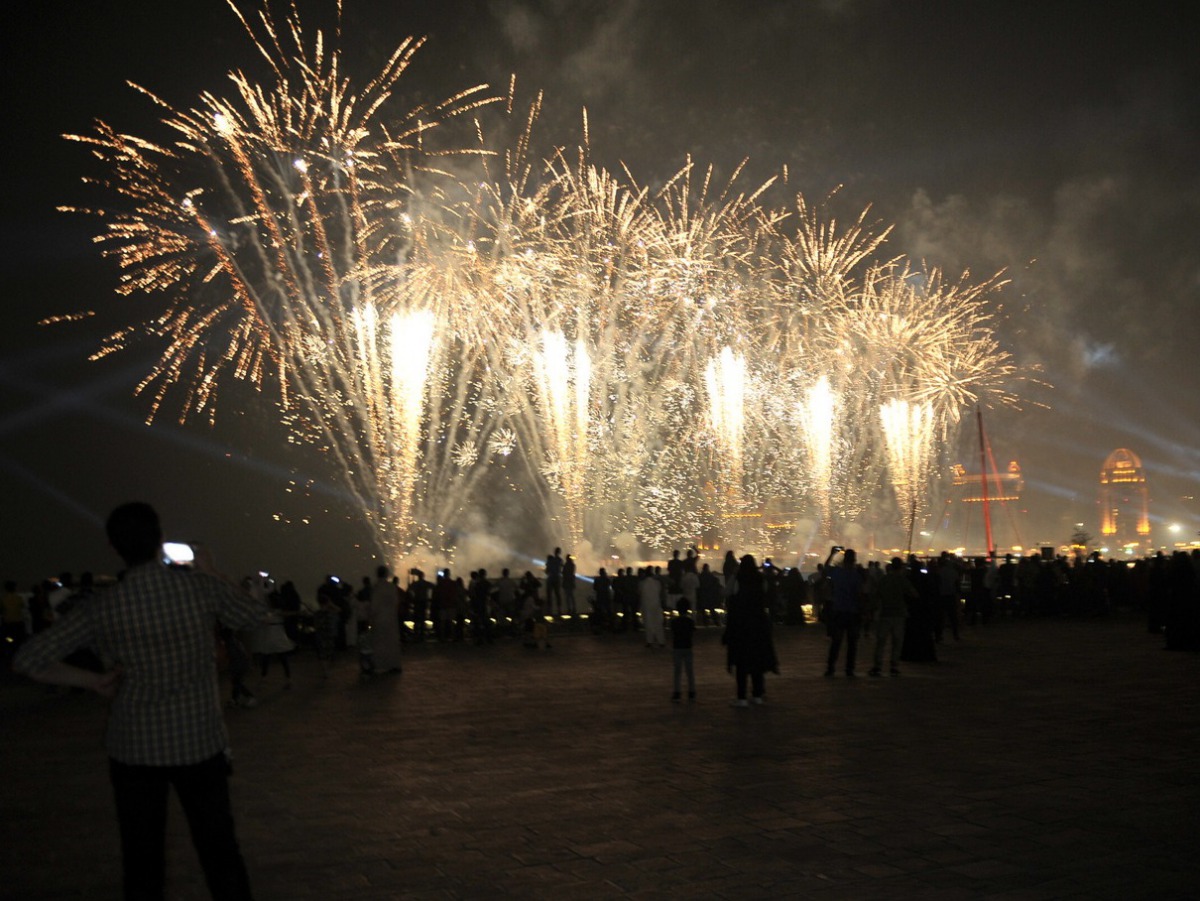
x=819 y=419
x=908 y=431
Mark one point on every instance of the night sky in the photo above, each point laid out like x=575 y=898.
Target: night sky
x=1059 y=142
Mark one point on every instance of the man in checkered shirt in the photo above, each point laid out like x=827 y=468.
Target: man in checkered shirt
x=155 y=631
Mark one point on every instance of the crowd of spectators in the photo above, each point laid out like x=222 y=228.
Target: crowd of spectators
x=150 y=644
x=480 y=607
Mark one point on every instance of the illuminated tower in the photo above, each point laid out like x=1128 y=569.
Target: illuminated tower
x=1124 y=500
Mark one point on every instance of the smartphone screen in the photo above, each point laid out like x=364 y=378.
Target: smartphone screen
x=178 y=553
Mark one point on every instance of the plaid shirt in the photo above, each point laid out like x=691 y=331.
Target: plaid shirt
x=158 y=625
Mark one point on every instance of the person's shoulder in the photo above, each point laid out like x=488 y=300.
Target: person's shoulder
x=196 y=579
x=153 y=576
x=209 y=586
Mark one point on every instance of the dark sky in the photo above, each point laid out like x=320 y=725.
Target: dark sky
x=1059 y=142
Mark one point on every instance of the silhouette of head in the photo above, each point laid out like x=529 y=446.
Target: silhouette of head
x=134 y=532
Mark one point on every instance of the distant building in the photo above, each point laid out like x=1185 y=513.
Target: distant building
x=1003 y=487
x=962 y=523
x=1124 y=501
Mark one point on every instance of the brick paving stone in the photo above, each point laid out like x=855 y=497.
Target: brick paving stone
x=986 y=869
x=1040 y=759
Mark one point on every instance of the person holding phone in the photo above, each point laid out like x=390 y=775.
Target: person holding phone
x=847 y=589
x=156 y=633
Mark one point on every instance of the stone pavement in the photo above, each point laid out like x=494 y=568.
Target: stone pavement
x=1039 y=759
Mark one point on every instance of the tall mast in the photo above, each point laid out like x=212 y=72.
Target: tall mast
x=983 y=479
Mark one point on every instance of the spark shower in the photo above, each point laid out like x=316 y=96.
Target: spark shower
x=449 y=319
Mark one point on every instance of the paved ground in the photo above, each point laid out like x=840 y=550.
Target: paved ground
x=1049 y=759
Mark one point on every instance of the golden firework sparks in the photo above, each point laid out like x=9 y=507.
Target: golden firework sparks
x=625 y=347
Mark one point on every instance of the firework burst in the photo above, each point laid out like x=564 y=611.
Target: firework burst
x=651 y=361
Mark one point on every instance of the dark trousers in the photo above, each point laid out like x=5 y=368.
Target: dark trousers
x=203 y=790
x=12 y=635
x=628 y=608
x=265 y=663
x=842 y=625
x=756 y=681
x=554 y=596
x=948 y=616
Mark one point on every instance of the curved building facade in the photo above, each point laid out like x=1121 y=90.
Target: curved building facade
x=1124 y=500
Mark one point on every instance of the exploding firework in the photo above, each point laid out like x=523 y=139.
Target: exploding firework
x=262 y=224
x=908 y=430
x=564 y=381
x=656 y=362
x=819 y=419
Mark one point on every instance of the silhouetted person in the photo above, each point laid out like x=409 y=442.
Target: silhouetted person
x=948 y=575
x=420 y=590
x=165 y=726
x=568 y=584
x=289 y=603
x=710 y=595
x=650 y=596
x=384 y=613
x=1182 y=623
x=602 y=602
x=554 y=577
x=894 y=594
x=480 y=591
x=729 y=570
x=845 y=611
x=749 y=651
x=919 y=645
x=795 y=596
x=625 y=597
x=1159 y=593
x=674 y=572
x=506 y=596
x=683 y=628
